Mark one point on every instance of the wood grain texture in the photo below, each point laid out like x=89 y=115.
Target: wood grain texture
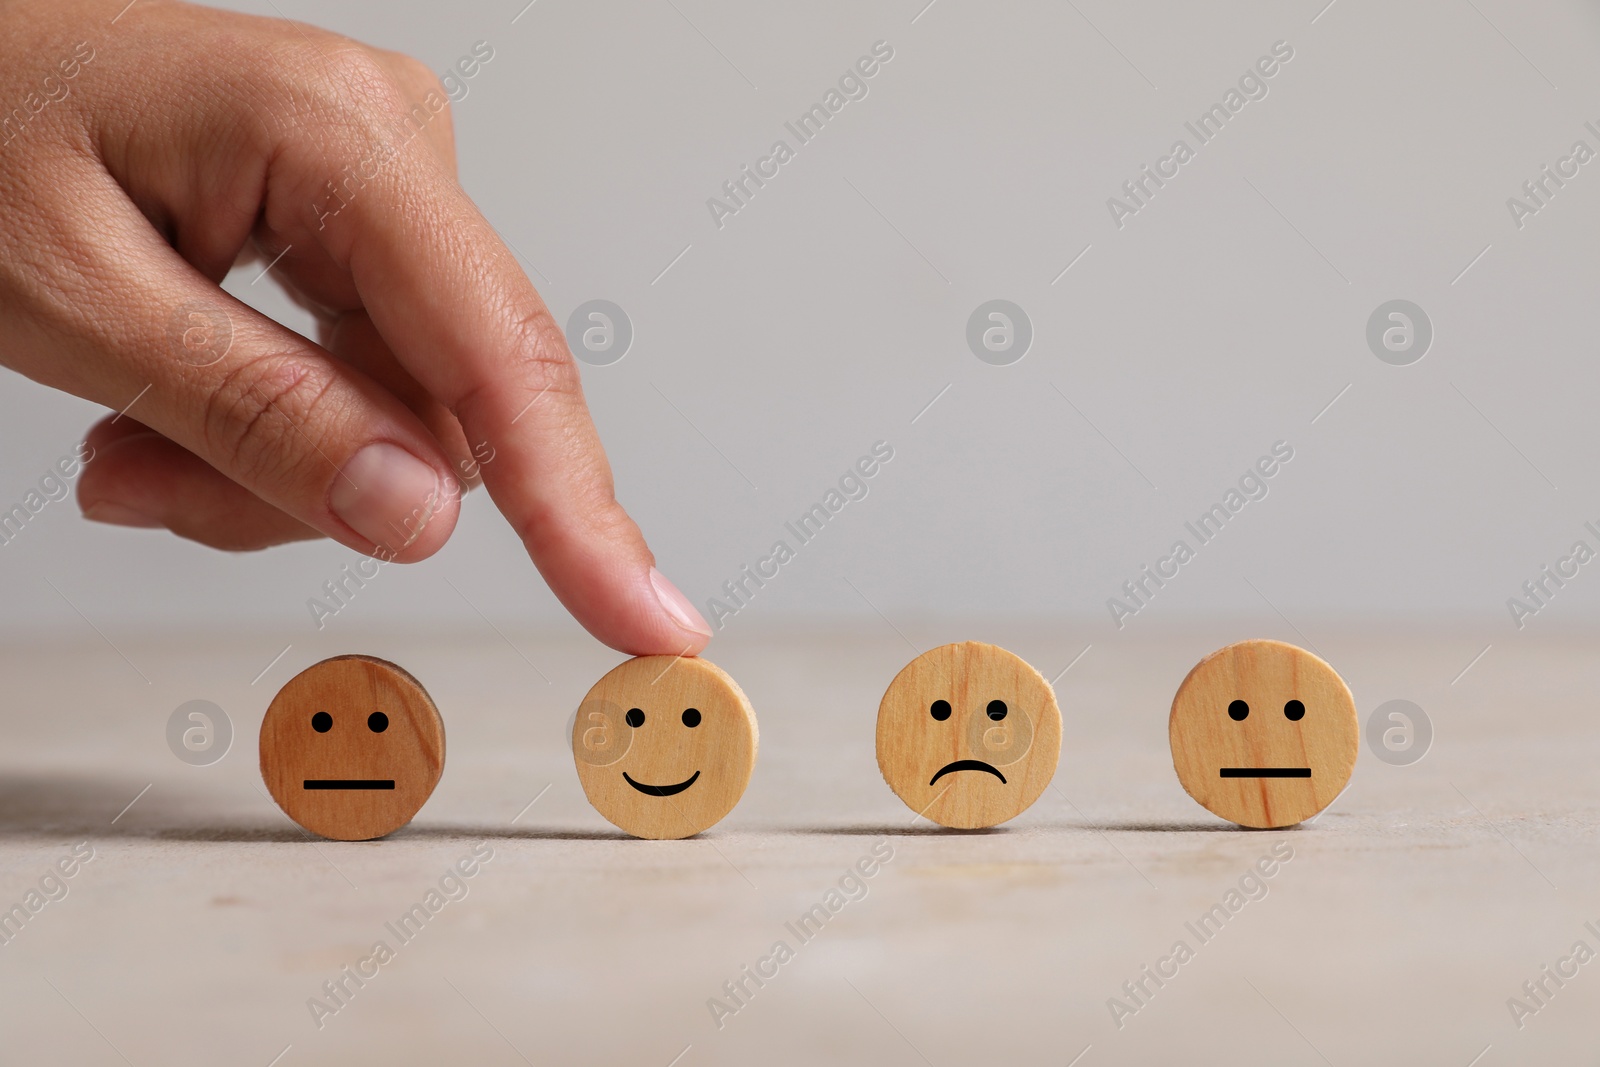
x=201 y=895
x=683 y=761
x=1207 y=740
x=408 y=751
x=962 y=683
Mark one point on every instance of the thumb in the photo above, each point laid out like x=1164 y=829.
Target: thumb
x=270 y=410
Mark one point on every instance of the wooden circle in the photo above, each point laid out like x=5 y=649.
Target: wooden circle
x=374 y=763
x=944 y=751
x=1264 y=734
x=664 y=745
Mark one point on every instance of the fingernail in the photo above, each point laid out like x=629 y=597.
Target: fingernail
x=677 y=605
x=386 y=494
x=114 y=514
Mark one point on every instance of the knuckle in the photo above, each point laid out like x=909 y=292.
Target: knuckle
x=388 y=100
x=257 y=417
x=415 y=76
x=368 y=105
x=542 y=368
x=543 y=348
x=345 y=90
x=355 y=79
x=608 y=521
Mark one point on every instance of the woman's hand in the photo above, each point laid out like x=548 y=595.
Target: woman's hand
x=142 y=153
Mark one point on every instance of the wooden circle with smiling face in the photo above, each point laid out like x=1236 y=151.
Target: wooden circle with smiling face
x=664 y=745
x=352 y=747
x=1264 y=734
x=968 y=735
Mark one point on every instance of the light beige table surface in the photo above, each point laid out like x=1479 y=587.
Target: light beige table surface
x=1409 y=914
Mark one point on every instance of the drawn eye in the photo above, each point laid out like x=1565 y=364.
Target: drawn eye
x=1238 y=710
x=996 y=710
x=1294 y=711
x=691 y=717
x=322 y=722
x=940 y=710
x=635 y=718
x=377 y=722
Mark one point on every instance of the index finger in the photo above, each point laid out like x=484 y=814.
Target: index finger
x=449 y=298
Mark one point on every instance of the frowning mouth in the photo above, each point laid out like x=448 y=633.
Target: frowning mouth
x=349 y=783
x=1266 y=772
x=661 y=790
x=966 y=765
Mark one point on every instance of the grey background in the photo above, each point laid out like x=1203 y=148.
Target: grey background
x=827 y=314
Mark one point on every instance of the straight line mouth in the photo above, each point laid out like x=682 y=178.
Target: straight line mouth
x=349 y=783
x=1266 y=772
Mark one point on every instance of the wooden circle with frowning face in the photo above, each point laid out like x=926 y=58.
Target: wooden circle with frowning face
x=351 y=748
x=1264 y=734
x=664 y=745
x=968 y=735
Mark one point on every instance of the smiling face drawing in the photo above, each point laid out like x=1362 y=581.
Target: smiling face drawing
x=664 y=745
x=968 y=735
x=351 y=748
x=1264 y=734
